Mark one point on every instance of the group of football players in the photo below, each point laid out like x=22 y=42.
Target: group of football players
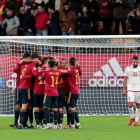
x=45 y=86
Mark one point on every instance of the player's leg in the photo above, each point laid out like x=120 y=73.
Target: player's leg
x=131 y=100
x=55 y=109
x=30 y=109
x=41 y=114
x=61 y=100
x=24 y=110
x=66 y=104
x=51 y=116
x=137 y=112
x=73 y=101
x=47 y=104
x=36 y=100
x=17 y=109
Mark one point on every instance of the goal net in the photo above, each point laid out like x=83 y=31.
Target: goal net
x=102 y=59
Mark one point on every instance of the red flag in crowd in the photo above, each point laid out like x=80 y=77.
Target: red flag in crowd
x=3 y=3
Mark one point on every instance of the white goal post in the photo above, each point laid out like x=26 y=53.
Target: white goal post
x=102 y=59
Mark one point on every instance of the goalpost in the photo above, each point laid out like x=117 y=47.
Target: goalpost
x=102 y=59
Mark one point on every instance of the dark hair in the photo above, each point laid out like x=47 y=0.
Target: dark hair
x=72 y=61
x=135 y=58
x=40 y=58
x=40 y=5
x=51 y=63
x=84 y=7
x=44 y=60
x=66 y=3
x=34 y=55
x=63 y=59
x=51 y=58
x=52 y=8
x=26 y=55
x=34 y=8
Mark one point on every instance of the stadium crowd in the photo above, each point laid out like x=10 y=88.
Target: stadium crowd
x=69 y=17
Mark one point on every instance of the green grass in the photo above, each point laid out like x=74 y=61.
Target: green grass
x=93 y=128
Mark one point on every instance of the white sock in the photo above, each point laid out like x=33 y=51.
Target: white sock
x=78 y=123
x=131 y=112
x=137 y=115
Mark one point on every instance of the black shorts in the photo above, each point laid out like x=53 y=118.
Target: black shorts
x=24 y=96
x=38 y=100
x=17 y=101
x=31 y=95
x=66 y=96
x=50 y=101
x=73 y=100
x=61 y=98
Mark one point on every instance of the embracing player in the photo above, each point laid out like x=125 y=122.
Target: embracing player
x=132 y=80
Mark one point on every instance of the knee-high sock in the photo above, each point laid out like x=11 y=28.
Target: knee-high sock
x=131 y=112
x=76 y=116
x=72 y=115
x=30 y=114
x=47 y=115
x=68 y=117
x=55 y=117
x=24 y=116
x=137 y=114
x=36 y=114
x=60 y=118
x=51 y=116
x=16 y=115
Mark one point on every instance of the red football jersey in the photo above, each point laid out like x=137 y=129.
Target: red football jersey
x=61 y=78
x=66 y=85
x=27 y=69
x=17 y=71
x=39 y=86
x=73 y=79
x=51 y=79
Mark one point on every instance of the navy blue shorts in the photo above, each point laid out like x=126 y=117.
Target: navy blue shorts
x=61 y=97
x=17 y=101
x=38 y=100
x=24 y=96
x=50 y=101
x=73 y=100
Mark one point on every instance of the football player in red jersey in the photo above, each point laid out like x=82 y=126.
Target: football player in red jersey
x=24 y=87
x=73 y=78
x=60 y=88
x=39 y=89
x=51 y=94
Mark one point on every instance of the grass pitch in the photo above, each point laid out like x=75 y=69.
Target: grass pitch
x=93 y=128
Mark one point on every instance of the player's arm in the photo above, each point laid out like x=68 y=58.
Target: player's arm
x=25 y=61
x=35 y=72
x=125 y=82
x=16 y=69
x=29 y=76
x=78 y=66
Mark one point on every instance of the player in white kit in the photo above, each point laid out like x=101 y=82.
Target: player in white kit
x=132 y=80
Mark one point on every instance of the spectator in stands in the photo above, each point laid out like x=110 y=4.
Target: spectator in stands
x=119 y=14
x=85 y=21
x=101 y=30
x=21 y=16
x=93 y=7
x=106 y=13
x=29 y=28
x=67 y=17
x=3 y=27
x=42 y=20
x=135 y=22
x=12 y=22
x=54 y=21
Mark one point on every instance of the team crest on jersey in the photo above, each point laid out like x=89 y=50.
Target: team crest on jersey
x=34 y=68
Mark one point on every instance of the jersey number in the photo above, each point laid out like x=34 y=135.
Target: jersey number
x=41 y=82
x=135 y=74
x=23 y=72
x=77 y=77
x=52 y=77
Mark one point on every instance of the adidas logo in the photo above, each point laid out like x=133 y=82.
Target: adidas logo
x=110 y=75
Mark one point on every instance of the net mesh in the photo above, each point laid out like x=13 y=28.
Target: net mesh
x=102 y=60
